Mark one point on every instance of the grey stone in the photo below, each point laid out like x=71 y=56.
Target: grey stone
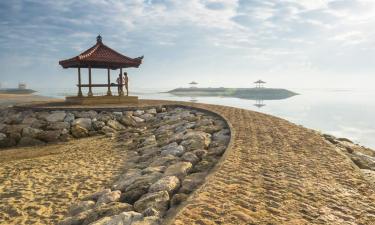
x=86 y=114
x=164 y=160
x=363 y=161
x=49 y=135
x=80 y=207
x=56 y=117
x=114 y=124
x=30 y=132
x=178 y=198
x=124 y=218
x=190 y=157
x=138 y=120
x=58 y=126
x=192 y=181
x=179 y=169
x=176 y=151
x=83 y=122
x=138 y=113
x=29 y=141
x=98 y=125
x=69 y=118
x=95 y=196
x=79 y=131
x=112 y=196
x=168 y=183
x=126 y=179
x=157 y=200
x=107 y=210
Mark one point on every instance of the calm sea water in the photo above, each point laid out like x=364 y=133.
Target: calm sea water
x=343 y=113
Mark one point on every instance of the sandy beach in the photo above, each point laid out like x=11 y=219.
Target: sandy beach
x=14 y=99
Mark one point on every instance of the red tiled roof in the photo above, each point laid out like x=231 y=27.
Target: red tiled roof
x=101 y=56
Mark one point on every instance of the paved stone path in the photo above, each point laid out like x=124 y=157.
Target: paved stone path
x=275 y=172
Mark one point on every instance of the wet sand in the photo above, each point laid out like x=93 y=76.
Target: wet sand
x=37 y=184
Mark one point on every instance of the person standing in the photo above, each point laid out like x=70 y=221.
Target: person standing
x=126 y=82
x=119 y=84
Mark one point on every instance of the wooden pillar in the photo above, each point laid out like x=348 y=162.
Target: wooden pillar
x=79 y=83
x=90 y=87
x=121 y=91
x=109 y=93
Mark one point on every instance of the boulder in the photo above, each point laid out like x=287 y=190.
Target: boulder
x=180 y=169
x=86 y=114
x=149 y=141
x=363 y=161
x=147 y=116
x=49 y=135
x=138 y=113
x=203 y=166
x=30 y=132
x=128 y=121
x=126 y=179
x=29 y=120
x=153 y=169
x=79 y=207
x=149 y=220
x=150 y=212
x=98 y=125
x=168 y=183
x=151 y=111
x=107 y=210
x=56 y=117
x=29 y=141
x=69 y=118
x=176 y=151
x=200 y=153
x=157 y=200
x=192 y=181
x=83 y=122
x=190 y=157
x=79 y=131
x=39 y=124
x=112 y=196
x=178 y=198
x=58 y=126
x=138 y=120
x=196 y=140
x=107 y=130
x=124 y=218
x=114 y=124
x=74 y=220
x=96 y=195
x=217 y=151
x=222 y=137
x=164 y=160
x=144 y=181
x=2 y=136
x=133 y=195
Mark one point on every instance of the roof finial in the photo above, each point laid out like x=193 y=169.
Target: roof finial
x=99 y=39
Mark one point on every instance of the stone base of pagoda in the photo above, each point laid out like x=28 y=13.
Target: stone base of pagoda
x=85 y=100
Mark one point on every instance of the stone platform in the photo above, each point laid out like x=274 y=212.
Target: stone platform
x=84 y=100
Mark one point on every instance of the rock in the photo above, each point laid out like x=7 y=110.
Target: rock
x=150 y=220
x=29 y=141
x=78 y=131
x=124 y=218
x=49 y=135
x=107 y=210
x=345 y=140
x=29 y=120
x=128 y=121
x=126 y=179
x=179 y=169
x=222 y=137
x=157 y=200
x=138 y=113
x=56 y=117
x=217 y=151
x=178 y=198
x=192 y=181
x=138 y=120
x=75 y=220
x=83 y=122
x=96 y=195
x=30 y=132
x=58 y=126
x=168 y=183
x=330 y=138
x=363 y=161
x=150 y=212
x=81 y=207
x=147 y=117
x=105 y=116
x=2 y=136
x=176 y=151
x=153 y=169
x=203 y=166
x=165 y=160
x=133 y=195
x=190 y=157
x=98 y=125
x=149 y=141
x=369 y=175
x=42 y=115
x=109 y=197
x=200 y=153
x=69 y=118
x=107 y=130
x=144 y=181
x=115 y=125
x=39 y=124
x=204 y=122
x=196 y=140
x=7 y=142
x=86 y=114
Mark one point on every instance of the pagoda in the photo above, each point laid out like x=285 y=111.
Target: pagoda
x=101 y=56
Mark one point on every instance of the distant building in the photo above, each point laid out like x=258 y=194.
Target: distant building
x=259 y=84
x=22 y=86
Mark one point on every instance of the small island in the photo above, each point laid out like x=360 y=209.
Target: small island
x=245 y=93
x=21 y=90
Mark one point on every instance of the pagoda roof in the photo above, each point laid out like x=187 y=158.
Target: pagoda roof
x=259 y=82
x=101 y=56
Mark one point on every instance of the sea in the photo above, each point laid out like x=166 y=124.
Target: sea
x=345 y=113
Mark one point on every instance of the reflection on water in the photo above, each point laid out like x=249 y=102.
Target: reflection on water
x=348 y=113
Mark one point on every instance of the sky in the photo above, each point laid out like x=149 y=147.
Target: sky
x=229 y=43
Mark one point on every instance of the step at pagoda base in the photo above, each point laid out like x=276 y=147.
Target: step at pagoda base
x=84 y=100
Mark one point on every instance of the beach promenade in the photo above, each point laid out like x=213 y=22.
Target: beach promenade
x=274 y=172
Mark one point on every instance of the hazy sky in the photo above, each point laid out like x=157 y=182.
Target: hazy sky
x=288 y=43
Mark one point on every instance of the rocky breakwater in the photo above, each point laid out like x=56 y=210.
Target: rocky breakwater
x=169 y=152
x=362 y=157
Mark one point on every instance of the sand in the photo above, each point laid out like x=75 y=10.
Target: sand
x=7 y=100
x=37 y=184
